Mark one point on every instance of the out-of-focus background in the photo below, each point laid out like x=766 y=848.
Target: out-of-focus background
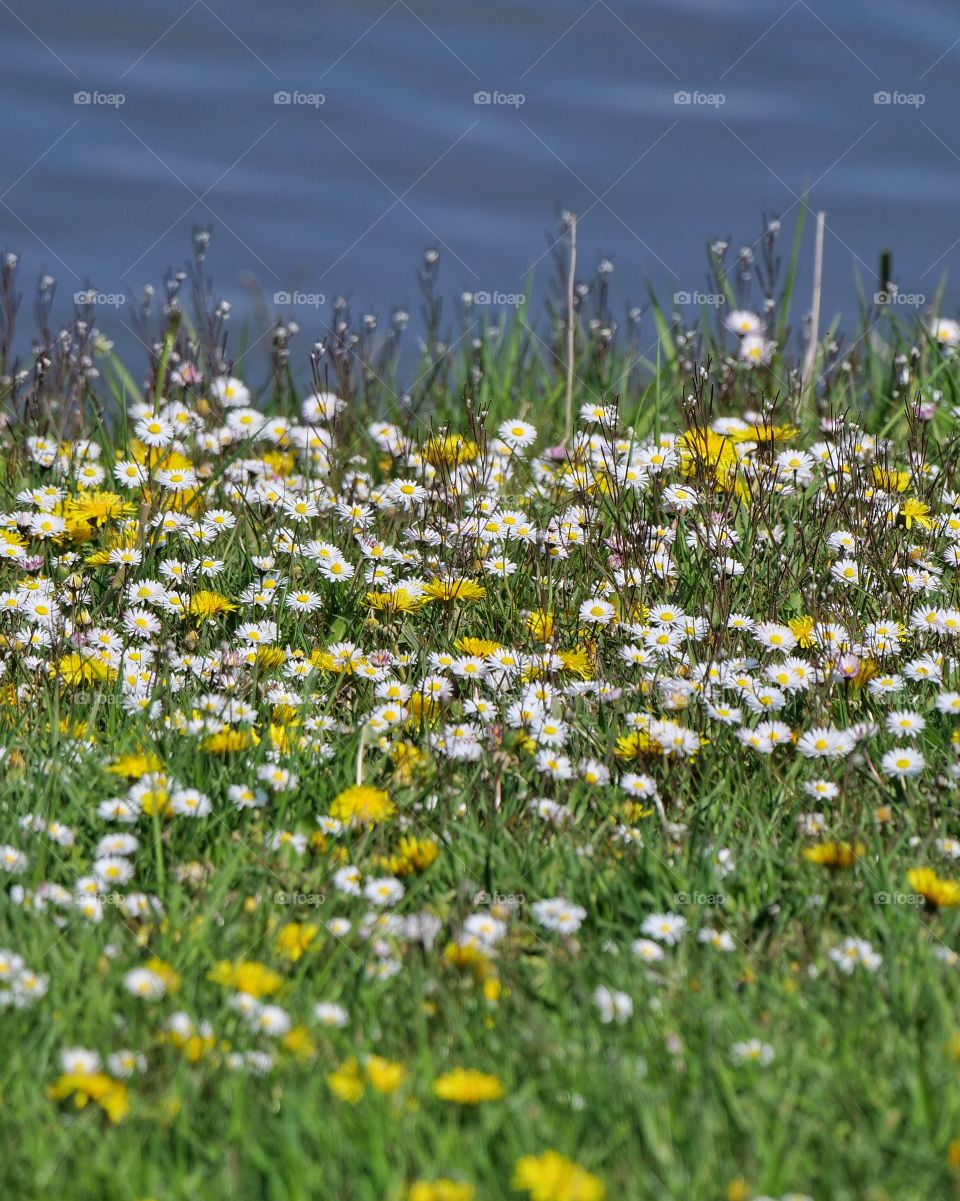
x=330 y=144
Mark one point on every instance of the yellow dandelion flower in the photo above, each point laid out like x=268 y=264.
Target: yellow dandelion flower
x=540 y=624
x=12 y=538
x=194 y=1046
x=553 y=1177
x=635 y=744
x=279 y=735
x=936 y=891
x=269 y=658
x=467 y=1086
x=228 y=741
x=913 y=510
x=75 y=669
x=280 y=463
x=414 y=855
x=134 y=766
x=455 y=590
x=802 y=628
x=385 y=1075
x=161 y=968
x=440 y=1189
x=422 y=708
x=467 y=957
x=247 y=976
x=704 y=452
x=96 y=508
x=122 y=540
x=362 y=805
x=891 y=481
x=345 y=1081
x=206 y=605
x=156 y=800
x=405 y=756
x=324 y=661
x=397 y=601
x=109 y=1094
x=450 y=451
x=477 y=646
x=577 y=662
x=835 y=854
x=295 y=938
x=765 y=433
x=298 y=1042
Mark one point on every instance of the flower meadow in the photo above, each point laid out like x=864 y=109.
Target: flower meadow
x=424 y=805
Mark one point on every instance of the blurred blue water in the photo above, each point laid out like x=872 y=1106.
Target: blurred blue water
x=341 y=197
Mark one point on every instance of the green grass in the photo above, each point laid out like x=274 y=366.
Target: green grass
x=860 y=1098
